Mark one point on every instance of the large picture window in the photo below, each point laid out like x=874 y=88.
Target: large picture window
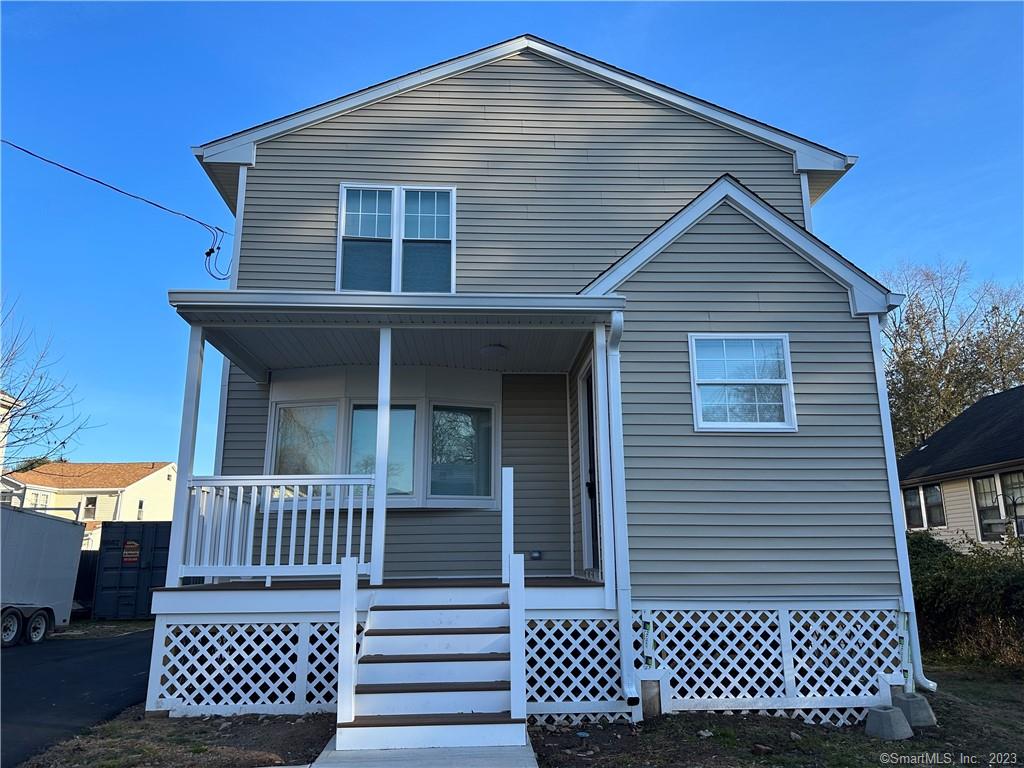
x=307 y=439
x=396 y=239
x=460 y=451
x=742 y=382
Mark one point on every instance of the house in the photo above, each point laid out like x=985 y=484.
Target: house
x=7 y=405
x=93 y=492
x=967 y=479
x=541 y=397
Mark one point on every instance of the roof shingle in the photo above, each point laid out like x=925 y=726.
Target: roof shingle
x=67 y=474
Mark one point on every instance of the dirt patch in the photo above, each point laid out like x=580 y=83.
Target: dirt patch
x=979 y=713
x=90 y=630
x=132 y=741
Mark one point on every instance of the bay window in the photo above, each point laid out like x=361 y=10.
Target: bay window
x=741 y=382
x=396 y=239
x=401 y=445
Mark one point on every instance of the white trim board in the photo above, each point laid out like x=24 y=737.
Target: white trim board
x=867 y=296
x=240 y=147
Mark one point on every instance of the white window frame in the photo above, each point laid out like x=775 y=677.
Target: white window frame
x=584 y=463
x=923 y=509
x=140 y=511
x=468 y=502
x=397 y=231
x=788 y=395
x=402 y=500
x=270 y=452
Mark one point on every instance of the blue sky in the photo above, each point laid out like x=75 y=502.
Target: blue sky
x=928 y=95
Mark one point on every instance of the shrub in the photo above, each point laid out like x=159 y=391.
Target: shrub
x=970 y=600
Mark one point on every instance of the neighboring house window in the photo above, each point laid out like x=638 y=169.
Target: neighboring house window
x=912 y=509
x=44 y=500
x=138 y=515
x=986 y=501
x=742 y=382
x=397 y=239
x=935 y=513
x=89 y=512
x=33 y=501
x=460 y=451
x=306 y=439
x=1013 y=493
x=401 y=445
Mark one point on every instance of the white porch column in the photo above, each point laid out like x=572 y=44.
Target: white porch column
x=186 y=452
x=604 y=466
x=380 y=474
x=623 y=587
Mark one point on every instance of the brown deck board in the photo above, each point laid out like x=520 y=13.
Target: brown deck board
x=495 y=685
x=455 y=718
x=285 y=583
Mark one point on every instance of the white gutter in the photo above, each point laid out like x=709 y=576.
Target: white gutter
x=623 y=587
x=896 y=505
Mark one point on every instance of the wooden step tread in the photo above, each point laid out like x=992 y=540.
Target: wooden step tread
x=434 y=583
x=436 y=631
x=453 y=718
x=449 y=607
x=493 y=685
x=415 y=658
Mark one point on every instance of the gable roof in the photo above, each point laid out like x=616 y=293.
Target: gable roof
x=867 y=295
x=988 y=434
x=220 y=156
x=68 y=475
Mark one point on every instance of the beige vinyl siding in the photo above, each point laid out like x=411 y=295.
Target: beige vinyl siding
x=958 y=504
x=558 y=175
x=534 y=442
x=738 y=515
x=245 y=425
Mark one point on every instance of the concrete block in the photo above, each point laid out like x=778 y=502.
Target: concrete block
x=915 y=708
x=650 y=695
x=887 y=723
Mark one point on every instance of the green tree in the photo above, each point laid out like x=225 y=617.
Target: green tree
x=949 y=344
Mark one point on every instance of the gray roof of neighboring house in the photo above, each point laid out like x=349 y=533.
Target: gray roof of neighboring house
x=989 y=433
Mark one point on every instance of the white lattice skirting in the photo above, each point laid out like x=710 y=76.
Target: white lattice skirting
x=233 y=668
x=824 y=666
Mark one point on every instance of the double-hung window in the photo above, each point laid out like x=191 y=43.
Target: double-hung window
x=923 y=507
x=742 y=382
x=397 y=239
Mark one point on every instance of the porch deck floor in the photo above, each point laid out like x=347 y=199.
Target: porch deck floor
x=389 y=583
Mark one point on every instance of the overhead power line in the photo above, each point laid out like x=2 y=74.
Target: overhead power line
x=216 y=233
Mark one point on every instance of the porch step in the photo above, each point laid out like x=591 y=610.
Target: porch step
x=440 y=687
x=440 y=607
x=421 y=731
x=412 y=617
x=446 y=640
x=437 y=595
x=433 y=702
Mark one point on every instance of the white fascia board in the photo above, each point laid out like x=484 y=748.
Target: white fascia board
x=866 y=296
x=241 y=147
x=390 y=302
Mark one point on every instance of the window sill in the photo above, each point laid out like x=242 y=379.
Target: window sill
x=743 y=428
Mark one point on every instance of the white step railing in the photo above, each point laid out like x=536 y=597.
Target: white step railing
x=276 y=525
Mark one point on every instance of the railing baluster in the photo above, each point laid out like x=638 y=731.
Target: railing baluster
x=192 y=519
x=207 y=534
x=267 y=498
x=309 y=516
x=250 y=525
x=348 y=523
x=224 y=525
x=236 y=535
x=295 y=522
x=334 y=530
x=280 y=524
x=362 y=524
x=322 y=519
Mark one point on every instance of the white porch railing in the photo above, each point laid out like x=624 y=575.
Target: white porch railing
x=277 y=525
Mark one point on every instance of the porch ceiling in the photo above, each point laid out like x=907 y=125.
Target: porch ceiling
x=261 y=332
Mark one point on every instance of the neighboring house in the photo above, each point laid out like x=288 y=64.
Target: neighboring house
x=544 y=361
x=93 y=492
x=7 y=404
x=968 y=478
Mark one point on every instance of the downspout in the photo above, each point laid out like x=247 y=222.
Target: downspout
x=896 y=505
x=623 y=588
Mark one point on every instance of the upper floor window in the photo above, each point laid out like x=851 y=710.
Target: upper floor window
x=397 y=239
x=89 y=513
x=741 y=382
x=140 y=512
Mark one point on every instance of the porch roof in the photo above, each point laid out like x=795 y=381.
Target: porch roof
x=261 y=331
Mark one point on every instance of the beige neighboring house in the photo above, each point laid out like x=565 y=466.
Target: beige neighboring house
x=7 y=404
x=968 y=478
x=96 y=492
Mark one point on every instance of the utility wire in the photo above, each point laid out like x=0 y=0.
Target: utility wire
x=216 y=233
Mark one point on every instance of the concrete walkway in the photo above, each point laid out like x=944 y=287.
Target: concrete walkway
x=442 y=757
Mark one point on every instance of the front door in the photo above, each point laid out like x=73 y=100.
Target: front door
x=588 y=471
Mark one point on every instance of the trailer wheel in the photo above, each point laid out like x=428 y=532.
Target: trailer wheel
x=35 y=630
x=10 y=627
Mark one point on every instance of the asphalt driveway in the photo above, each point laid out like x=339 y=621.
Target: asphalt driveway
x=55 y=690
